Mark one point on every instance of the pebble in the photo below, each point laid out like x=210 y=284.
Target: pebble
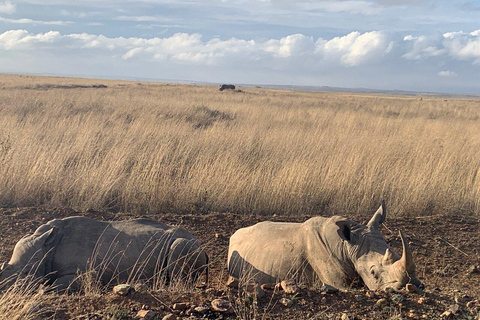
x=122 y=289
x=201 y=309
x=181 y=306
x=232 y=282
x=411 y=288
x=170 y=316
x=146 y=314
x=381 y=303
x=289 y=286
x=286 y=302
x=328 y=288
x=222 y=305
x=323 y=300
x=345 y=316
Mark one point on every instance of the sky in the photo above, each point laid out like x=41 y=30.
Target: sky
x=416 y=45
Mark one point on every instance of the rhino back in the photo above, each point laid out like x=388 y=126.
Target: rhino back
x=267 y=251
x=117 y=247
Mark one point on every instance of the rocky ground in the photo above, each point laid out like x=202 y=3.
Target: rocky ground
x=446 y=252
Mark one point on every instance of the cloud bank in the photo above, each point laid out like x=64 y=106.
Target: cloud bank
x=350 y=50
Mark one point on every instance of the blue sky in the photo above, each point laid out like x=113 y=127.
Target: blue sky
x=407 y=44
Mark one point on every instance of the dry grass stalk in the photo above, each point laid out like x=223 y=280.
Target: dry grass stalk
x=179 y=148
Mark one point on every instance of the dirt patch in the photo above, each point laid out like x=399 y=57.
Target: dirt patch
x=446 y=251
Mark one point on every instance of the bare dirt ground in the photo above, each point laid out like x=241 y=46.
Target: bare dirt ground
x=446 y=252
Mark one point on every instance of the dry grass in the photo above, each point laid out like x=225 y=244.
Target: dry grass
x=178 y=148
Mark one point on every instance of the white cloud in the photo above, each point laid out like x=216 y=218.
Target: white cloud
x=422 y=47
x=7 y=7
x=35 y=22
x=447 y=73
x=463 y=46
x=355 y=48
x=351 y=50
x=458 y=44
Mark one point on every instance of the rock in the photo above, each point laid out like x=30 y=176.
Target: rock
x=122 y=289
x=422 y=300
x=328 y=288
x=181 y=306
x=170 y=316
x=268 y=286
x=370 y=294
x=201 y=309
x=450 y=312
x=232 y=282
x=254 y=289
x=222 y=305
x=411 y=288
x=146 y=314
x=473 y=269
x=381 y=303
x=345 y=316
x=286 y=302
x=323 y=300
x=289 y=286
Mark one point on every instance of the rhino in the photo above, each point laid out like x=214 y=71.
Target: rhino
x=227 y=87
x=130 y=250
x=336 y=250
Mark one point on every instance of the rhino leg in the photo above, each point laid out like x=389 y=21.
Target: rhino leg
x=186 y=261
x=67 y=283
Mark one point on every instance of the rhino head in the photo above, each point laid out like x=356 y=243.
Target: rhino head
x=30 y=256
x=378 y=266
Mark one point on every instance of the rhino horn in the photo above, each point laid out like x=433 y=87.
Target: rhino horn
x=388 y=258
x=406 y=261
x=379 y=216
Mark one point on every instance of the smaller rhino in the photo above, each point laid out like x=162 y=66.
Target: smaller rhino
x=227 y=87
x=116 y=250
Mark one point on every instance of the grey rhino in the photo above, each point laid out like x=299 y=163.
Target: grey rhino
x=334 y=250
x=123 y=250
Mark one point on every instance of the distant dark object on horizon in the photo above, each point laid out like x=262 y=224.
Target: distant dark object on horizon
x=227 y=86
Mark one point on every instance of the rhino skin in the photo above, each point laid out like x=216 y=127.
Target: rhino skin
x=334 y=250
x=117 y=250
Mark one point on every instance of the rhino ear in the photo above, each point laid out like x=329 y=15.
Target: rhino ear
x=345 y=232
x=379 y=216
x=46 y=238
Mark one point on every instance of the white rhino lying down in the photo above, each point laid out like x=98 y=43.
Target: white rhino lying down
x=333 y=250
x=118 y=250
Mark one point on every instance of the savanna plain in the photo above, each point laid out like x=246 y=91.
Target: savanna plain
x=214 y=162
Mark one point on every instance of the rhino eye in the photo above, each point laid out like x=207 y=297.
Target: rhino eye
x=374 y=272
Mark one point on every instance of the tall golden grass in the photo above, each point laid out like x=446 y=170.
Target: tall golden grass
x=149 y=147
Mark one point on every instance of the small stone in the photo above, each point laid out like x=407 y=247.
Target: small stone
x=170 y=316
x=146 y=314
x=201 y=309
x=268 y=286
x=122 y=289
x=181 y=306
x=359 y=297
x=232 y=282
x=328 y=288
x=345 y=316
x=473 y=269
x=411 y=288
x=286 y=302
x=411 y=314
x=370 y=294
x=222 y=305
x=381 y=303
x=289 y=286
x=422 y=300
x=323 y=300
